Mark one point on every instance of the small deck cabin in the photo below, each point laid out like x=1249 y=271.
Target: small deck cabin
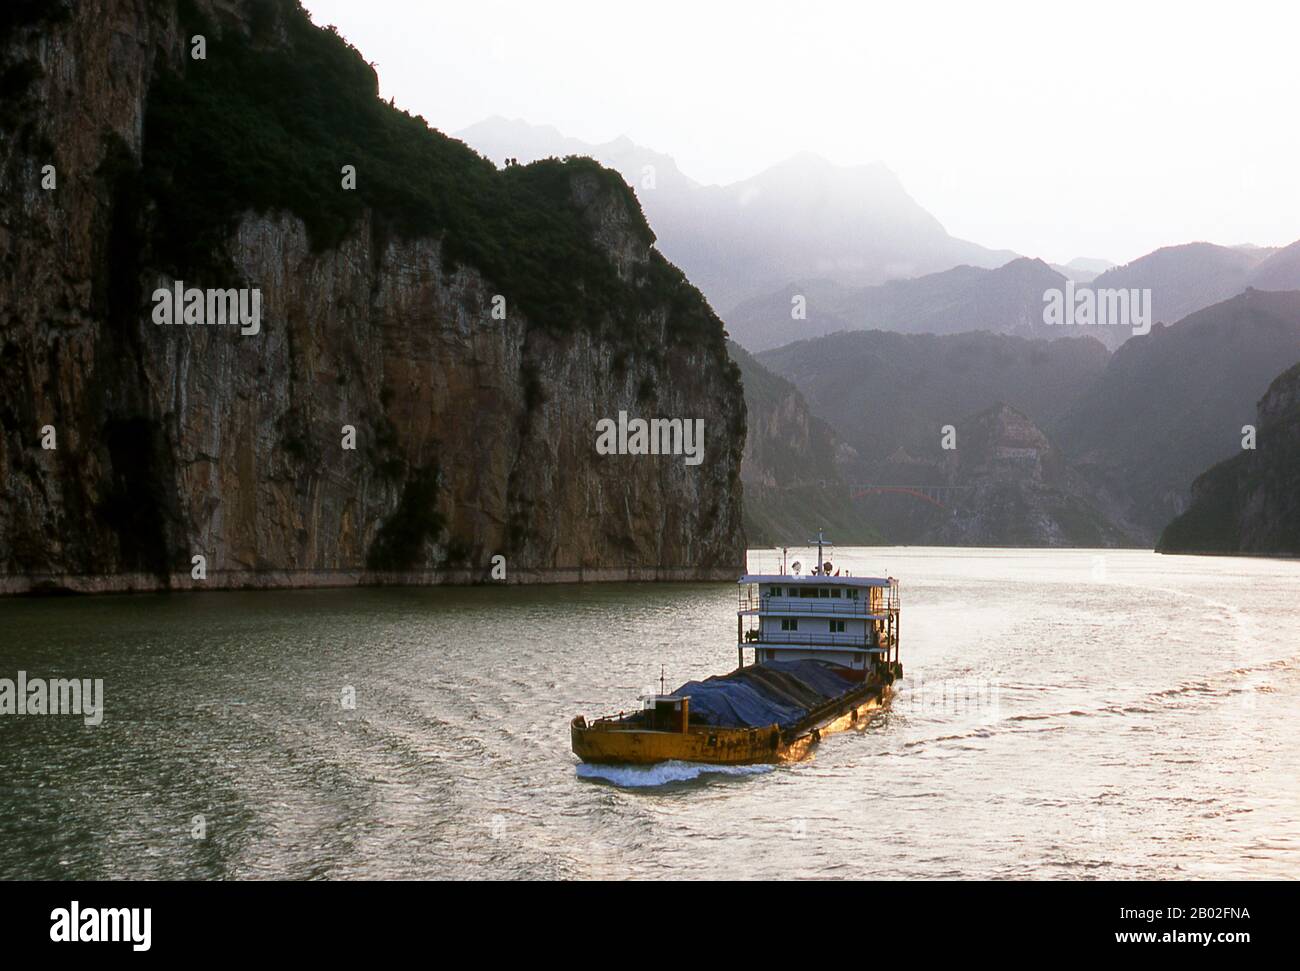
x=847 y=620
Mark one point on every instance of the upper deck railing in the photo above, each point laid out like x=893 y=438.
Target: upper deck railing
x=872 y=601
x=840 y=607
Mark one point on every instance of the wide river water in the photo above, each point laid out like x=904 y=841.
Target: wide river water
x=1071 y=714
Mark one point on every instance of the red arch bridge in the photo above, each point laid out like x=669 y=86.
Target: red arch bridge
x=939 y=496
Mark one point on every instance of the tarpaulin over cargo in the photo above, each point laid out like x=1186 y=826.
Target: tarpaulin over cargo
x=779 y=692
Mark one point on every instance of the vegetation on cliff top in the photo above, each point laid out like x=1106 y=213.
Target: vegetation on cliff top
x=267 y=121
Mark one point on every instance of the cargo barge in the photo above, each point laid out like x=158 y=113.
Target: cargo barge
x=824 y=651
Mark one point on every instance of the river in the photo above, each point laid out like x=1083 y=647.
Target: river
x=1064 y=714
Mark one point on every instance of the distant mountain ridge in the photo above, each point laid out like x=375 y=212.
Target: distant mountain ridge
x=1280 y=270
x=1082 y=269
x=1010 y=299
x=1004 y=300
x=1134 y=427
x=894 y=397
x=1173 y=402
x=801 y=218
x=1187 y=278
x=881 y=391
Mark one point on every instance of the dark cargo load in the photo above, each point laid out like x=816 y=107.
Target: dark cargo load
x=778 y=692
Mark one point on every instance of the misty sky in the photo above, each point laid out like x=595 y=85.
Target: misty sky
x=1081 y=129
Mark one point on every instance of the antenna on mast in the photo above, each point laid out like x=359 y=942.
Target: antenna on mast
x=821 y=541
x=661 y=680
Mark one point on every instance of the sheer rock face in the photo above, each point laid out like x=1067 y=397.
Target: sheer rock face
x=475 y=436
x=1250 y=503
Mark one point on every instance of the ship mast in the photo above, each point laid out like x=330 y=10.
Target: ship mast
x=821 y=541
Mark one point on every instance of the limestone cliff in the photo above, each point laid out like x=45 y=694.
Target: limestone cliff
x=471 y=325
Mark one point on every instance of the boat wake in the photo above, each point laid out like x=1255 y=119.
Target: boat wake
x=662 y=773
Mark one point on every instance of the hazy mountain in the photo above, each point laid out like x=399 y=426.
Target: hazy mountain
x=1008 y=299
x=1082 y=269
x=1173 y=402
x=802 y=218
x=881 y=392
x=890 y=396
x=1087 y=264
x=1187 y=278
x=1251 y=502
x=1136 y=426
x=1279 y=271
x=790 y=466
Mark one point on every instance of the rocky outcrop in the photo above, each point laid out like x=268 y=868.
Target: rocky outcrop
x=1001 y=482
x=1013 y=487
x=1251 y=502
x=466 y=332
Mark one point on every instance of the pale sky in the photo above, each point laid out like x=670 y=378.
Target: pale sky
x=1102 y=129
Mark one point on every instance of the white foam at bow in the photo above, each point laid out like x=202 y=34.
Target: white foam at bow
x=662 y=773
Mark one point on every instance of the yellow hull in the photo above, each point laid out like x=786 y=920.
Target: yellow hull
x=606 y=742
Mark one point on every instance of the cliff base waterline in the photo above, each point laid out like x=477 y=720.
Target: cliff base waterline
x=50 y=584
